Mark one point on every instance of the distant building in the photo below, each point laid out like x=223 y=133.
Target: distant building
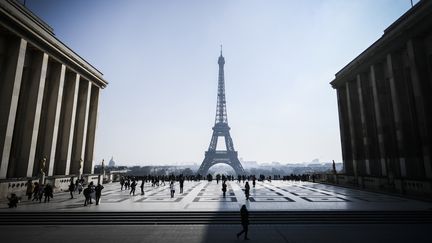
x=48 y=100
x=385 y=107
x=111 y=163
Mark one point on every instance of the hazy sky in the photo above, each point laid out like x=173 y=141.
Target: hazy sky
x=160 y=58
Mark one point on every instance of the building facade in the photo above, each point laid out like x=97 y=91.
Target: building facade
x=48 y=100
x=385 y=107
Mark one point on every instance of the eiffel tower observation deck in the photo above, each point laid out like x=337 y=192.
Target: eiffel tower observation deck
x=221 y=129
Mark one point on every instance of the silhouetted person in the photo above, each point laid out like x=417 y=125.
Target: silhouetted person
x=122 y=182
x=98 y=192
x=224 y=188
x=172 y=189
x=29 y=190
x=247 y=189
x=142 y=187
x=253 y=182
x=87 y=196
x=181 y=181
x=48 y=192
x=71 y=189
x=133 y=186
x=13 y=200
x=244 y=214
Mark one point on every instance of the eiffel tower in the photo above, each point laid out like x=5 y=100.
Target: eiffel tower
x=221 y=129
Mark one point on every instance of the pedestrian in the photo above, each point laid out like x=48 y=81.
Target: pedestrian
x=172 y=189
x=122 y=182
x=29 y=190
x=48 y=192
x=181 y=181
x=142 y=187
x=132 y=186
x=13 y=200
x=247 y=189
x=71 y=189
x=244 y=214
x=98 y=190
x=80 y=187
x=35 y=191
x=87 y=197
x=40 y=192
x=253 y=181
x=92 y=192
x=224 y=188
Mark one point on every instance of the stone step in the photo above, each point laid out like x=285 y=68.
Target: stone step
x=151 y=218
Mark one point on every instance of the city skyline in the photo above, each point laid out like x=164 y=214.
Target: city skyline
x=161 y=62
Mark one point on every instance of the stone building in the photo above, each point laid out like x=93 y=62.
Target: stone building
x=385 y=107
x=48 y=100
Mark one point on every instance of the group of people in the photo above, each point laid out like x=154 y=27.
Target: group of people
x=130 y=183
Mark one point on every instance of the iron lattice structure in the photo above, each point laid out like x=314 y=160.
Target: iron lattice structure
x=221 y=129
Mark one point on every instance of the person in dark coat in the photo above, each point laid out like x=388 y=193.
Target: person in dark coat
x=87 y=193
x=133 y=186
x=48 y=192
x=142 y=187
x=13 y=200
x=224 y=188
x=181 y=181
x=98 y=191
x=244 y=214
x=247 y=190
x=71 y=189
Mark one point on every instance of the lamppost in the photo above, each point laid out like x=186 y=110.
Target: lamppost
x=103 y=170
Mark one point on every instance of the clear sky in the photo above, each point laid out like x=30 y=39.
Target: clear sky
x=160 y=58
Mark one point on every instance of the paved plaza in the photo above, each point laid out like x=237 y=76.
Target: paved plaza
x=207 y=196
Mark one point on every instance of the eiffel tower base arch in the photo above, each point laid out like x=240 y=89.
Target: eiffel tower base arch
x=221 y=157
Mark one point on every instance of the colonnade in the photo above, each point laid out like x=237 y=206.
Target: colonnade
x=385 y=111
x=47 y=110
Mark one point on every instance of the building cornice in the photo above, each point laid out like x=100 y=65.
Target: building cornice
x=25 y=24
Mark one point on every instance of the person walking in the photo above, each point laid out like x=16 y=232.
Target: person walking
x=87 y=196
x=247 y=190
x=253 y=181
x=142 y=187
x=133 y=186
x=244 y=214
x=172 y=189
x=224 y=188
x=98 y=190
x=71 y=189
x=80 y=187
x=48 y=192
x=181 y=181
x=29 y=190
x=122 y=182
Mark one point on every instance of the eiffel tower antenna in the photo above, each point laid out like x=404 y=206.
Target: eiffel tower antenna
x=221 y=129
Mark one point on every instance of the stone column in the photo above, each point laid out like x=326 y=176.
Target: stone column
x=81 y=122
x=378 y=120
x=420 y=109
x=363 y=124
x=27 y=119
x=13 y=55
x=396 y=111
x=67 y=124
x=91 y=130
x=352 y=131
x=51 y=108
x=37 y=116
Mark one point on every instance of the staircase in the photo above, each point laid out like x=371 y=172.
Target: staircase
x=178 y=218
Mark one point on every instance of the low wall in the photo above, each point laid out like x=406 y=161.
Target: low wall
x=59 y=183
x=401 y=186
